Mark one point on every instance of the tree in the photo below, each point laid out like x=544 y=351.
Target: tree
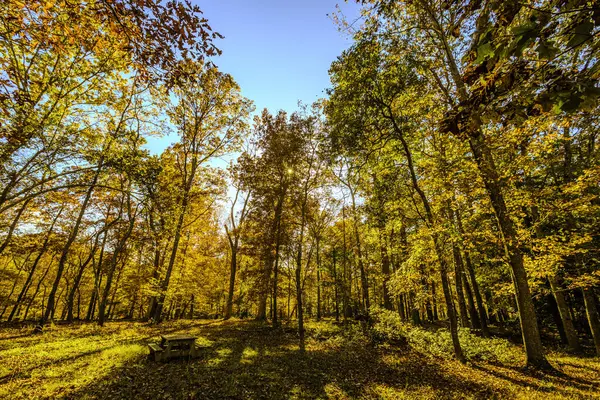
x=233 y=236
x=376 y=103
x=210 y=116
x=270 y=176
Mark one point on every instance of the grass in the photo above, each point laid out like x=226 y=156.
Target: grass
x=248 y=360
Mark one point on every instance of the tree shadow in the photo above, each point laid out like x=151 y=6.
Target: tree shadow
x=24 y=335
x=583 y=367
x=556 y=382
x=23 y=373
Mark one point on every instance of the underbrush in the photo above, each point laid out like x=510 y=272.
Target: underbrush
x=390 y=328
x=326 y=334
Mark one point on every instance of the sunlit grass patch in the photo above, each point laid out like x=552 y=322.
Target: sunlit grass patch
x=221 y=355
x=248 y=355
x=386 y=392
x=204 y=341
x=323 y=328
x=334 y=391
x=64 y=368
x=66 y=358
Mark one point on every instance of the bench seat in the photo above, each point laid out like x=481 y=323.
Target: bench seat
x=155 y=351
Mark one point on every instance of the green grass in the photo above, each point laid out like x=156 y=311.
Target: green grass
x=248 y=360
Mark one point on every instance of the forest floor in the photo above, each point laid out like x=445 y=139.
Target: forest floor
x=246 y=360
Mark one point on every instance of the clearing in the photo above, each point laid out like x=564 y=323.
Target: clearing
x=247 y=360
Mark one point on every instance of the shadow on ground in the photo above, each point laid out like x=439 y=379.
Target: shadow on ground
x=249 y=361
x=246 y=360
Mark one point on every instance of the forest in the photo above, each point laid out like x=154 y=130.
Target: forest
x=430 y=228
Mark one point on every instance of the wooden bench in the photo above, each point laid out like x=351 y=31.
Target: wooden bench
x=156 y=352
x=174 y=346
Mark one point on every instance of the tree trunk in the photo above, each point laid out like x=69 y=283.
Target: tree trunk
x=489 y=173
x=289 y=297
x=475 y=323
x=449 y=306
x=436 y=241
x=97 y=282
x=113 y=264
x=77 y=280
x=33 y=268
x=269 y=259
x=57 y=301
x=556 y=316
x=385 y=270
x=114 y=292
x=261 y=313
x=461 y=280
x=335 y=287
x=414 y=311
x=429 y=310
x=276 y=274
x=72 y=236
x=300 y=311
x=344 y=266
x=78 y=303
x=480 y=307
x=165 y=283
x=156 y=276
x=299 y=303
x=527 y=316
x=434 y=297
x=191 y=314
x=464 y=320
x=7 y=300
x=318 y=281
x=401 y=310
x=93 y=298
x=565 y=316
x=131 y=311
x=232 y=272
x=593 y=317
x=13 y=225
x=361 y=266
x=37 y=289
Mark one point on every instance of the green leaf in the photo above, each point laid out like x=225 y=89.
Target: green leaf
x=546 y=50
x=589 y=99
x=524 y=29
x=571 y=104
x=582 y=33
x=524 y=36
x=522 y=43
x=484 y=52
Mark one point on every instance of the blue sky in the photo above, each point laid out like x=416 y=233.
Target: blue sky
x=279 y=51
